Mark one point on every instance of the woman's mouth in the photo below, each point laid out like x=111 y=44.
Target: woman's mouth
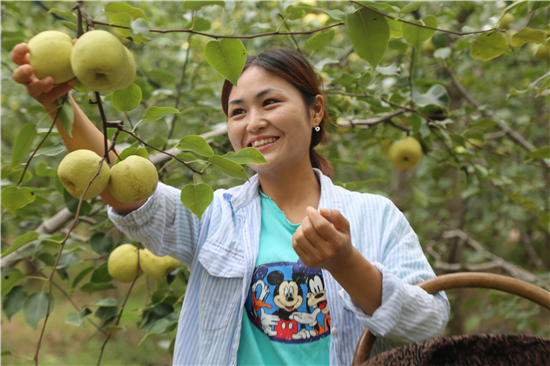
x=264 y=143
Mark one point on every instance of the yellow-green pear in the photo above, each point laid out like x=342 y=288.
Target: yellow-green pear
x=123 y=263
x=506 y=20
x=154 y=266
x=50 y=55
x=541 y=52
x=428 y=46
x=128 y=77
x=406 y=153
x=77 y=169
x=134 y=178
x=99 y=59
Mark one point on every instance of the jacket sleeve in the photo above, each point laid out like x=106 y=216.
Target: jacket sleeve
x=163 y=225
x=408 y=313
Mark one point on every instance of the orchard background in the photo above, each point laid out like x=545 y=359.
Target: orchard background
x=477 y=100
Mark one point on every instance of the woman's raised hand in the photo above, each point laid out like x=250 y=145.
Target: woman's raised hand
x=44 y=90
x=320 y=244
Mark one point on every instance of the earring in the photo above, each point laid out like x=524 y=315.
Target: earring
x=317 y=129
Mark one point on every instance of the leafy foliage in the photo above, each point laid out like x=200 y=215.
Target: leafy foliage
x=483 y=127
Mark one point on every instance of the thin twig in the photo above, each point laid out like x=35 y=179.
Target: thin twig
x=533 y=14
x=43 y=139
x=159 y=150
x=217 y=36
x=178 y=93
x=425 y=26
x=292 y=35
x=104 y=123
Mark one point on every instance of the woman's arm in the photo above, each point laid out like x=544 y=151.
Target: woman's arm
x=85 y=134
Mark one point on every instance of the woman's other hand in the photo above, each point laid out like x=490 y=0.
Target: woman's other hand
x=44 y=90
x=320 y=244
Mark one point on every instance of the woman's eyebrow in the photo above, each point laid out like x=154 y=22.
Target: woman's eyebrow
x=259 y=95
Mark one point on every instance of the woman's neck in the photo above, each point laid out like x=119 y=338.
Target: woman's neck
x=292 y=191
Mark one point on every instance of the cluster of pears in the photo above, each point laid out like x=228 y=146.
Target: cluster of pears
x=99 y=60
x=404 y=154
x=122 y=263
x=132 y=179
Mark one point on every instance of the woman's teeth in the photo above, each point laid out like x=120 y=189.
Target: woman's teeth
x=259 y=143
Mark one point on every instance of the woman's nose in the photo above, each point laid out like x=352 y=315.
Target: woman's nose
x=256 y=121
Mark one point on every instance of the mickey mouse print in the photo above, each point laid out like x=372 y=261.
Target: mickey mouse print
x=287 y=301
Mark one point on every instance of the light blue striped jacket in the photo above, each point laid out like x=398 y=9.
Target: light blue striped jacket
x=220 y=251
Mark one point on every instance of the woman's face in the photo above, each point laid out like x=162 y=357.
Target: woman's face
x=269 y=113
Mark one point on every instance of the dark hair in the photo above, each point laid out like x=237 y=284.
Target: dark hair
x=295 y=69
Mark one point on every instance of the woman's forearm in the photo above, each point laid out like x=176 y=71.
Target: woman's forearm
x=362 y=281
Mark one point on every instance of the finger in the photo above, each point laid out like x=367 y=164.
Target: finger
x=312 y=235
x=299 y=249
x=20 y=54
x=38 y=87
x=23 y=74
x=322 y=225
x=336 y=218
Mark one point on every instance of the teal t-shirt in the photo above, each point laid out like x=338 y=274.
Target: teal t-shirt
x=286 y=319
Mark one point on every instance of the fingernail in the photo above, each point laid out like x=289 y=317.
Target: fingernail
x=27 y=71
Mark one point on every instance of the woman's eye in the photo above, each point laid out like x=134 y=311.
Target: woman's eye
x=270 y=101
x=237 y=112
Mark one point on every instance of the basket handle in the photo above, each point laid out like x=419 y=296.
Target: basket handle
x=460 y=280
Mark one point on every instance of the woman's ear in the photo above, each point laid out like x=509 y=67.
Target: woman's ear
x=317 y=111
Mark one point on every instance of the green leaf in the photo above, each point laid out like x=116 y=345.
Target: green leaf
x=20 y=241
x=458 y=139
x=101 y=244
x=527 y=35
x=369 y=34
x=358 y=185
x=10 y=278
x=66 y=13
x=156 y=113
x=13 y=301
x=437 y=95
x=53 y=150
x=95 y=287
x=542 y=153
x=412 y=6
x=72 y=204
x=295 y=12
x=106 y=312
x=196 y=5
x=118 y=7
x=81 y=276
x=483 y=123
x=14 y=198
x=36 y=307
x=196 y=144
x=124 y=19
x=247 y=155
x=416 y=35
x=334 y=14
x=66 y=116
x=157 y=328
x=78 y=319
x=139 y=151
x=140 y=30
x=489 y=45
x=395 y=28
x=22 y=144
x=197 y=197
x=101 y=274
x=127 y=99
x=108 y=302
x=229 y=167
x=199 y=24
x=227 y=56
x=320 y=39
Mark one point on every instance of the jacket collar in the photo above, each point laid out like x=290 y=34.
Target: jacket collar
x=242 y=195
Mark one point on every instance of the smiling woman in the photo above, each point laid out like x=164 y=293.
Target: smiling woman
x=287 y=268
